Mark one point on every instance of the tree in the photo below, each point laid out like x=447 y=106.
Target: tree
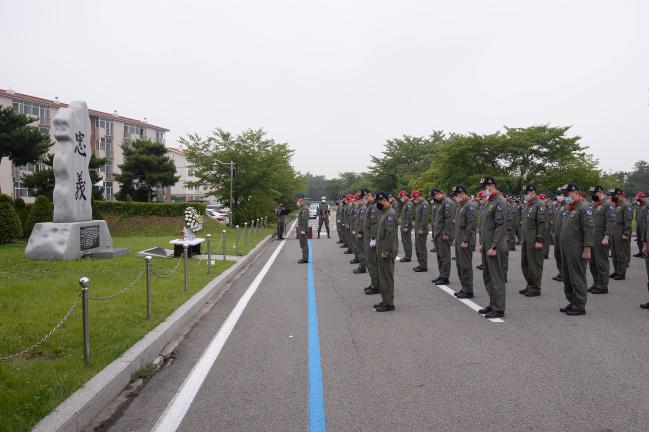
x=42 y=182
x=264 y=174
x=10 y=227
x=18 y=141
x=146 y=166
x=638 y=179
x=315 y=186
x=41 y=212
x=402 y=160
x=540 y=154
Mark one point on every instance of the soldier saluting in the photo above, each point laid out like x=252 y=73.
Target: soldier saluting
x=576 y=244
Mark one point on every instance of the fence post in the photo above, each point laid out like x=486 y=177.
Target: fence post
x=225 y=244
x=245 y=233
x=147 y=260
x=236 y=240
x=84 y=282
x=209 y=253
x=186 y=258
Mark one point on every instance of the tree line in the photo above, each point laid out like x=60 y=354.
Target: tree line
x=545 y=155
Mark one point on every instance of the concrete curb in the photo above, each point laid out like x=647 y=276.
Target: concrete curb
x=77 y=412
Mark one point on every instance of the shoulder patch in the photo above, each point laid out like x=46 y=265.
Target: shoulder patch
x=589 y=211
x=499 y=207
x=446 y=205
x=541 y=209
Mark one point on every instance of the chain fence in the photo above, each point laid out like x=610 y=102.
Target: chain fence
x=163 y=276
x=47 y=336
x=119 y=292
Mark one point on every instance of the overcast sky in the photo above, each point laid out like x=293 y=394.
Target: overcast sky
x=335 y=79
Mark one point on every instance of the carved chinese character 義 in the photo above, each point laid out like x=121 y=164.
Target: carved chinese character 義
x=81 y=187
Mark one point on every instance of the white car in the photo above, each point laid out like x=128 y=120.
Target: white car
x=217 y=215
x=313 y=211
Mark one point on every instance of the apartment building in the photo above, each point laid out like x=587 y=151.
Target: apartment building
x=109 y=132
x=180 y=192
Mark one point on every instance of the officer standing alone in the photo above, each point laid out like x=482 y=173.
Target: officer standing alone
x=323 y=216
x=303 y=227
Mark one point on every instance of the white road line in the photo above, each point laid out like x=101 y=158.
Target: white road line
x=473 y=305
x=179 y=405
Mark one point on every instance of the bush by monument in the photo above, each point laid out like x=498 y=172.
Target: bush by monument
x=6 y=198
x=10 y=226
x=41 y=212
x=130 y=208
x=22 y=210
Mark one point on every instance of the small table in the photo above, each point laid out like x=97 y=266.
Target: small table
x=193 y=246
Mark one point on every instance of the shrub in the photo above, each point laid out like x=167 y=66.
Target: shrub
x=22 y=210
x=10 y=227
x=130 y=208
x=6 y=198
x=41 y=212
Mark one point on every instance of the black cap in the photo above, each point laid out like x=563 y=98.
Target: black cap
x=382 y=195
x=488 y=180
x=596 y=189
x=299 y=196
x=559 y=190
x=614 y=192
x=571 y=187
x=459 y=189
x=433 y=191
x=529 y=188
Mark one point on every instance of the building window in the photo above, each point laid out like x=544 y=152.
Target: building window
x=160 y=136
x=108 y=190
x=133 y=130
x=104 y=124
x=190 y=171
x=20 y=190
x=42 y=112
x=106 y=144
x=37 y=167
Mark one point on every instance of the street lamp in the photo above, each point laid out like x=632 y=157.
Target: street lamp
x=231 y=165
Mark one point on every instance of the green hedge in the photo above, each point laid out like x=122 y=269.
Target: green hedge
x=129 y=208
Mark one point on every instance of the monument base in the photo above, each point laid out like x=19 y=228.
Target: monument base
x=68 y=241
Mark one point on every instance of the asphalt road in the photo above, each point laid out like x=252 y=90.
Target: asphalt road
x=433 y=365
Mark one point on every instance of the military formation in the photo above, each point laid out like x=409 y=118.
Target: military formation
x=589 y=229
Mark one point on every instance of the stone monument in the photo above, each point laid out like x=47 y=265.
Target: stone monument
x=73 y=233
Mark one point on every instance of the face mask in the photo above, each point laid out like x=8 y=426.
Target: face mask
x=486 y=193
x=379 y=205
x=569 y=200
x=560 y=198
x=527 y=197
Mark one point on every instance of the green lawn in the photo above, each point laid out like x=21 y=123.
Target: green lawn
x=35 y=295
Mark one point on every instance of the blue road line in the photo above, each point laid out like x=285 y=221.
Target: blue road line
x=317 y=420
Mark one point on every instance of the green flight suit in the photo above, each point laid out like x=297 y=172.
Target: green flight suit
x=576 y=234
x=388 y=242
x=559 y=217
x=465 y=228
x=303 y=228
x=370 y=233
x=360 y=240
x=443 y=226
x=407 y=217
x=339 y=224
x=534 y=230
x=348 y=228
x=621 y=248
x=604 y=225
x=492 y=235
x=641 y=217
x=422 y=213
